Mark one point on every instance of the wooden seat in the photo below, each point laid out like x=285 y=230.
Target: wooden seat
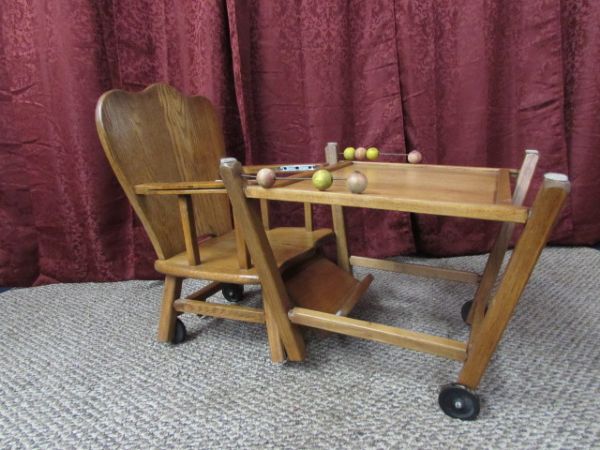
x=219 y=256
x=164 y=149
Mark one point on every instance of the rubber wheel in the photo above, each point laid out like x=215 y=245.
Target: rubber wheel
x=180 y=332
x=233 y=292
x=459 y=402
x=464 y=311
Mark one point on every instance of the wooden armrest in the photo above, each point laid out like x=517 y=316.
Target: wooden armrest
x=180 y=188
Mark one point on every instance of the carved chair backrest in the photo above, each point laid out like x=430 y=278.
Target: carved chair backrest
x=160 y=135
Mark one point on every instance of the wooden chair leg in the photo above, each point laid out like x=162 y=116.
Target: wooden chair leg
x=275 y=344
x=494 y=263
x=490 y=273
x=339 y=227
x=276 y=302
x=166 y=324
x=486 y=334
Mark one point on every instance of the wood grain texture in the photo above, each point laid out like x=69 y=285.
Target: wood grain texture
x=206 y=291
x=166 y=324
x=189 y=229
x=160 y=136
x=486 y=334
x=290 y=245
x=341 y=240
x=321 y=285
x=264 y=214
x=275 y=299
x=386 y=334
x=153 y=188
x=243 y=255
x=496 y=258
x=441 y=190
x=416 y=269
x=308 y=217
x=234 y=312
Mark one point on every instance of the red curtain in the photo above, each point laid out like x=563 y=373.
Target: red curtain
x=470 y=83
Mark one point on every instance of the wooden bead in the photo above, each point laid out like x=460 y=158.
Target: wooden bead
x=266 y=177
x=372 y=153
x=415 y=157
x=356 y=182
x=322 y=179
x=360 y=153
x=349 y=153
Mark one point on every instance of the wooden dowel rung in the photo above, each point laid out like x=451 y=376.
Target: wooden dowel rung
x=264 y=213
x=308 y=217
x=186 y=209
x=206 y=291
x=416 y=269
x=235 y=312
x=386 y=334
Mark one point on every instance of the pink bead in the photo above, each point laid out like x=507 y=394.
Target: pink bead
x=360 y=153
x=415 y=157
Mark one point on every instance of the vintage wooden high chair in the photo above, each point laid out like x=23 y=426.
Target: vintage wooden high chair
x=478 y=193
x=164 y=149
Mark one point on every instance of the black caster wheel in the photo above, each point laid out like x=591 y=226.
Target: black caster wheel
x=464 y=311
x=233 y=292
x=459 y=402
x=180 y=332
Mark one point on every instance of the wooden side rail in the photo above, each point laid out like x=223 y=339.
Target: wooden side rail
x=416 y=269
x=186 y=209
x=235 y=312
x=179 y=188
x=386 y=334
x=496 y=258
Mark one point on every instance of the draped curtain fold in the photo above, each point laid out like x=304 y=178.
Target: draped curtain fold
x=467 y=83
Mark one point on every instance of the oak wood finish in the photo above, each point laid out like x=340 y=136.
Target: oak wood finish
x=235 y=312
x=179 y=187
x=321 y=285
x=416 y=269
x=496 y=258
x=354 y=296
x=165 y=149
x=441 y=190
x=471 y=192
x=161 y=136
x=166 y=325
x=189 y=229
x=317 y=281
x=243 y=255
x=486 y=334
x=220 y=259
x=264 y=213
x=275 y=344
x=412 y=340
x=341 y=240
x=206 y=291
x=275 y=299
x=308 y=217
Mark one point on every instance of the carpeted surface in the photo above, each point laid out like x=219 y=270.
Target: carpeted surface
x=79 y=368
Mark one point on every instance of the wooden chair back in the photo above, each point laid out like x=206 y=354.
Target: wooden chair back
x=160 y=135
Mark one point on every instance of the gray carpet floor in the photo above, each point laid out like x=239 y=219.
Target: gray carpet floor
x=80 y=368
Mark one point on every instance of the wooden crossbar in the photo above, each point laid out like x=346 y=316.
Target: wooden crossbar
x=235 y=312
x=386 y=334
x=416 y=269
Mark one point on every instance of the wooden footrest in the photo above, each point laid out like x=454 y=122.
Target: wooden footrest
x=321 y=285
